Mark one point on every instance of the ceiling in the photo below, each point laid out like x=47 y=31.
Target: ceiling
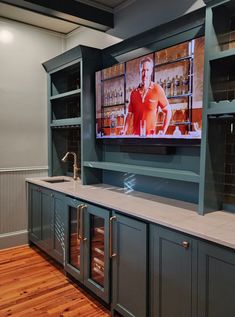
x=109 y=5
x=36 y=19
x=63 y=16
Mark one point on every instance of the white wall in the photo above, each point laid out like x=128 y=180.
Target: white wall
x=90 y=37
x=23 y=120
x=23 y=93
x=142 y=15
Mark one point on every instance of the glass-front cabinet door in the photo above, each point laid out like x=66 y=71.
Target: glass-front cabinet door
x=87 y=255
x=74 y=250
x=96 y=257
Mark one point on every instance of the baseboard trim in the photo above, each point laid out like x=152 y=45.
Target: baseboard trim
x=13 y=239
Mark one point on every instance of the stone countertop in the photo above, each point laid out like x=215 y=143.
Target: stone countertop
x=218 y=227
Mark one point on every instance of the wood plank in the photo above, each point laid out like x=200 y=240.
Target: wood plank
x=32 y=285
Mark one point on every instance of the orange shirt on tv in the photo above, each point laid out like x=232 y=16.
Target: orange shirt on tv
x=145 y=107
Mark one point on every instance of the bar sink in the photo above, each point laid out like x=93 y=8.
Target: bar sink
x=56 y=180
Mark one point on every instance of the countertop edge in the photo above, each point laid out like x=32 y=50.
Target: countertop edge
x=207 y=227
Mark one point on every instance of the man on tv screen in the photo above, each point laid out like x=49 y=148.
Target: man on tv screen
x=145 y=101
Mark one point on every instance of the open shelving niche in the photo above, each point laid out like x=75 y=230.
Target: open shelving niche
x=216 y=179
x=181 y=175
x=64 y=115
x=70 y=107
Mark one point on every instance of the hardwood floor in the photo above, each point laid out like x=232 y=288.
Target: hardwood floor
x=31 y=286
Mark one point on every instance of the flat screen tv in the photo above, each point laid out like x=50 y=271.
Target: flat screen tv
x=153 y=99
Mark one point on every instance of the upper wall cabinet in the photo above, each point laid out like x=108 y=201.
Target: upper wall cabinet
x=71 y=86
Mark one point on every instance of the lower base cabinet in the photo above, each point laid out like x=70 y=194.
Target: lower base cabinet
x=189 y=277
x=47 y=221
x=129 y=255
x=216 y=281
x=173 y=260
x=170 y=275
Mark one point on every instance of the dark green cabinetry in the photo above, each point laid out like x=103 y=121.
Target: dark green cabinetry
x=219 y=107
x=45 y=204
x=71 y=104
x=64 y=112
x=58 y=216
x=160 y=273
x=216 y=281
x=130 y=266
x=35 y=213
x=47 y=221
x=189 y=277
x=87 y=256
x=173 y=258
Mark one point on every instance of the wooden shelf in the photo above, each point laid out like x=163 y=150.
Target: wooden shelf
x=66 y=94
x=221 y=107
x=114 y=105
x=182 y=175
x=66 y=122
x=222 y=55
x=175 y=61
x=179 y=96
x=113 y=77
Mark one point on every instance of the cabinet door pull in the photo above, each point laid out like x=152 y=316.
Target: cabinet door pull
x=78 y=221
x=185 y=244
x=111 y=254
x=82 y=222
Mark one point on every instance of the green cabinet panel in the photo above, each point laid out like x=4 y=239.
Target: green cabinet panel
x=130 y=286
x=58 y=215
x=216 y=283
x=172 y=273
x=35 y=217
x=47 y=221
x=87 y=255
x=46 y=216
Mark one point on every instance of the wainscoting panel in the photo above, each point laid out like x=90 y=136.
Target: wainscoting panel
x=13 y=207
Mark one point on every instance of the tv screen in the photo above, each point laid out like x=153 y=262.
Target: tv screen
x=154 y=97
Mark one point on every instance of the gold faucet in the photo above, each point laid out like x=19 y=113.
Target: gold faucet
x=75 y=166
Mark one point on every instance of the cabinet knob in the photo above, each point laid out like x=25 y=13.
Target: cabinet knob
x=185 y=244
x=52 y=195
